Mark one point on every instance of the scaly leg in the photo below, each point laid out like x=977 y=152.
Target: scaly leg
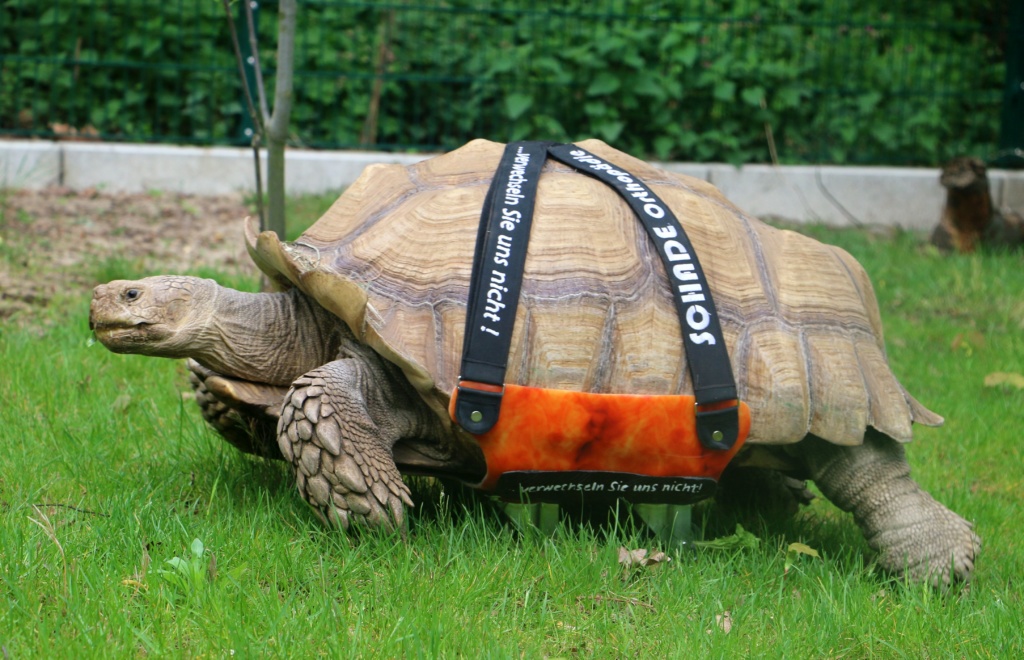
x=913 y=534
x=338 y=426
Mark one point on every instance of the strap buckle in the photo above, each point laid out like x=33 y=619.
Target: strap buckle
x=477 y=405
x=718 y=425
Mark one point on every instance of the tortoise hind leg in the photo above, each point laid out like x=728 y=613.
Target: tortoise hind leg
x=338 y=426
x=913 y=534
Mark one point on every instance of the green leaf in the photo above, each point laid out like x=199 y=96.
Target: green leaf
x=663 y=146
x=520 y=131
x=848 y=132
x=610 y=130
x=595 y=109
x=49 y=17
x=178 y=564
x=793 y=554
x=884 y=133
x=867 y=102
x=28 y=46
x=787 y=97
x=197 y=548
x=673 y=88
x=550 y=65
x=151 y=46
x=604 y=83
x=725 y=90
x=687 y=55
x=516 y=104
x=609 y=43
x=738 y=541
x=647 y=85
x=670 y=40
x=133 y=96
x=634 y=60
x=752 y=95
x=501 y=65
x=549 y=128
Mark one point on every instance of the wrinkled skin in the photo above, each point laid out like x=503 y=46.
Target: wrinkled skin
x=349 y=422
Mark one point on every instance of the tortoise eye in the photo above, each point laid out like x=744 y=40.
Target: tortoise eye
x=131 y=294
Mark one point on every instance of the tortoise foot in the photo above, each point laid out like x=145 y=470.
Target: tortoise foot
x=915 y=536
x=924 y=541
x=343 y=462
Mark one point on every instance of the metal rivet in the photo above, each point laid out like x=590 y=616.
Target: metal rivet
x=717 y=436
x=476 y=415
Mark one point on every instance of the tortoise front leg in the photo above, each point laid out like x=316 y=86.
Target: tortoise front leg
x=913 y=534
x=338 y=425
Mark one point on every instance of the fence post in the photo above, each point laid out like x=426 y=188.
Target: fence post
x=1011 y=139
x=246 y=127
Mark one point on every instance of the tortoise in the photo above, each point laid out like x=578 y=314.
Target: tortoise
x=351 y=362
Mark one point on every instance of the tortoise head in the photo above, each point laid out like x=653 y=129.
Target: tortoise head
x=161 y=316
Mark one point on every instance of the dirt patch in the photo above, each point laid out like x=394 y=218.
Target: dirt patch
x=58 y=241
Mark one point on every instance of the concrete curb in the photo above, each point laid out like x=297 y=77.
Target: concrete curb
x=906 y=197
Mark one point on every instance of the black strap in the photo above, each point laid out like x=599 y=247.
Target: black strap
x=497 y=275
x=706 y=352
x=496 y=282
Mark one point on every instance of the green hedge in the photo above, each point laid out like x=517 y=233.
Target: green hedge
x=835 y=80
x=129 y=69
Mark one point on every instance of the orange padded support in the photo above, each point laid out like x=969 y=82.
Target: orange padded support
x=562 y=431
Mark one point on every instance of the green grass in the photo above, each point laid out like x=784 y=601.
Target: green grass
x=107 y=476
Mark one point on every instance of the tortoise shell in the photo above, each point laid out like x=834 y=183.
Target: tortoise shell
x=392 y=258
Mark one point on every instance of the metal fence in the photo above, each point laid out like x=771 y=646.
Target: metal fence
x=818 y=81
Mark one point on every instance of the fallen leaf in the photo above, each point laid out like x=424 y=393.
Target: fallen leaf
x=598 y=598
x=793 y=553
x=122 y=402
x=724 y=621
x=967 y=342
x=999 y=378
x=739 y=540
x=639 y=557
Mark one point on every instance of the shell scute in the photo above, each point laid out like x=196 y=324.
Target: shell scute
x=776 y=375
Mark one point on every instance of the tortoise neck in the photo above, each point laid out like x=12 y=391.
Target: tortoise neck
x=267 y=337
